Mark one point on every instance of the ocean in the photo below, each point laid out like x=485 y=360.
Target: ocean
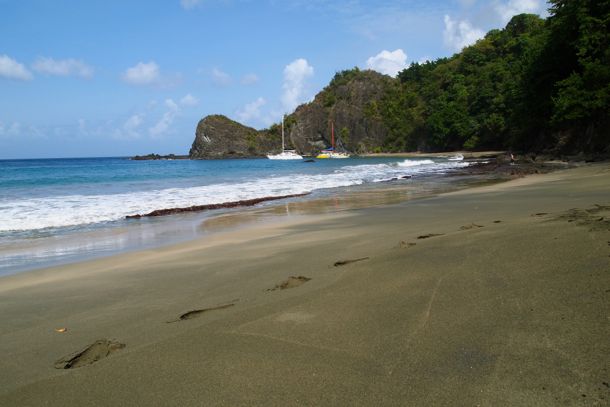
x=54 y=211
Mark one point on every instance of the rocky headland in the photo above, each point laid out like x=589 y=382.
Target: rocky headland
x=505 y=92
x=350 y=102
x=218 y=136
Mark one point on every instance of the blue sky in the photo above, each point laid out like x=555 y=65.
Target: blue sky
x=117 y=78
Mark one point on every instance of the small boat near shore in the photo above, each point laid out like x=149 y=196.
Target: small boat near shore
x=332 y=152
x=285 y=154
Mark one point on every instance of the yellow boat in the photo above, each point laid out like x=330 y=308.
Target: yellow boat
x=330 y=152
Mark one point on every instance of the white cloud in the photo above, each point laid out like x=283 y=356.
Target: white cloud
x=22 y=131
x=513 y=7
x=189 y=100
x=221 y=78
x=130 y=129
x=11 y=69
x=189 y=4
x=15 y=129
x=251 y=111
x=249 y=79
x=143 y=74
x=132 y=125
x=295 y=76
x=64 y=67
x=459 y=34
x=163 y=125
x=388 y=63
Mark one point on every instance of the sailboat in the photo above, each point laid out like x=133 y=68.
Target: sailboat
x=331 y=152
x=285 y=154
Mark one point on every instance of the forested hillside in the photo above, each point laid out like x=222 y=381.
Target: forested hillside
x=537 y=85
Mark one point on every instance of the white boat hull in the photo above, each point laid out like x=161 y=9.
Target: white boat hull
x=285 y=155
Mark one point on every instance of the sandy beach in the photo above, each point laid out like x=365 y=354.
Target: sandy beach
x=490 y=296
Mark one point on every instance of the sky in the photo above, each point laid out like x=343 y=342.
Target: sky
x=103 y=78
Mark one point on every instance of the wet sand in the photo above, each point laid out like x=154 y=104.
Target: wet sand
x=491 y=296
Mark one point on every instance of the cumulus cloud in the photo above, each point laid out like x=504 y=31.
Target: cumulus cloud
x=11 y=69
x=163 y=125
x=63 y=67
x=513 y=7
x=251 y=111
x=133 y=124
x=388 y=62
x=21 y=131
x=295 y=77
x=460 y=34
x=143 y=74
x=129 y=130
x=221 y=78
x=249 y=79
x=10 y=130
x=189 y=101
x=189 y=4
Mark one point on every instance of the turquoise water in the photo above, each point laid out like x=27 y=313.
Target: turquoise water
x=47 y=205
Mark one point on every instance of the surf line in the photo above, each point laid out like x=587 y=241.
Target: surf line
x=198 y=208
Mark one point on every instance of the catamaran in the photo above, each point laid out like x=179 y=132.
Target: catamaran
x=285 y=154
x=331 y=152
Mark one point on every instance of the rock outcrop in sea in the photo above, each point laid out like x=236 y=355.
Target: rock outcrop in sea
x=350 y=102
x=218 y=136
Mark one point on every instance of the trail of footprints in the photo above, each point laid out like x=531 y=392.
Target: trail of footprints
x=103 y=348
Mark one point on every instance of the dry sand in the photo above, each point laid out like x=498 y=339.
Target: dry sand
x=493 y=296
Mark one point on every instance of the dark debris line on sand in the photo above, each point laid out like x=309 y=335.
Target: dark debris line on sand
x=198 y=208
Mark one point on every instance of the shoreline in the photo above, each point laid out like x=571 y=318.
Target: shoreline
x=191 y=222
x=495 y=291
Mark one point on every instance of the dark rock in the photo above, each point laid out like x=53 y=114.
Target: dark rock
x=351 y=102
x=159 y=157
x=220 y=137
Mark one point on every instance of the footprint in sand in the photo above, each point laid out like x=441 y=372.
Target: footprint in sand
x=405 y=245
x=429 y=235
x=471 y=226
x=292 y=282
x=344 y=262
x=497 y=221
x=197 y=312
x=96 y=351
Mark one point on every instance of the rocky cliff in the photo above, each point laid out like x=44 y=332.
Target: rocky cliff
x=351 y=102
x=220 y=137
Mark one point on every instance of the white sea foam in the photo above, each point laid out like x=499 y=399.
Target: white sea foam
x=73 y=210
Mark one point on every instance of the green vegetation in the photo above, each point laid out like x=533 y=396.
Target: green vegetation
x=536 y=85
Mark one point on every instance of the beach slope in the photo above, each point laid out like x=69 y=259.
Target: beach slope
x=490 y=296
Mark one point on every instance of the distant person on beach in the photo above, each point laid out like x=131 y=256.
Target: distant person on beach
x=512 y=159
